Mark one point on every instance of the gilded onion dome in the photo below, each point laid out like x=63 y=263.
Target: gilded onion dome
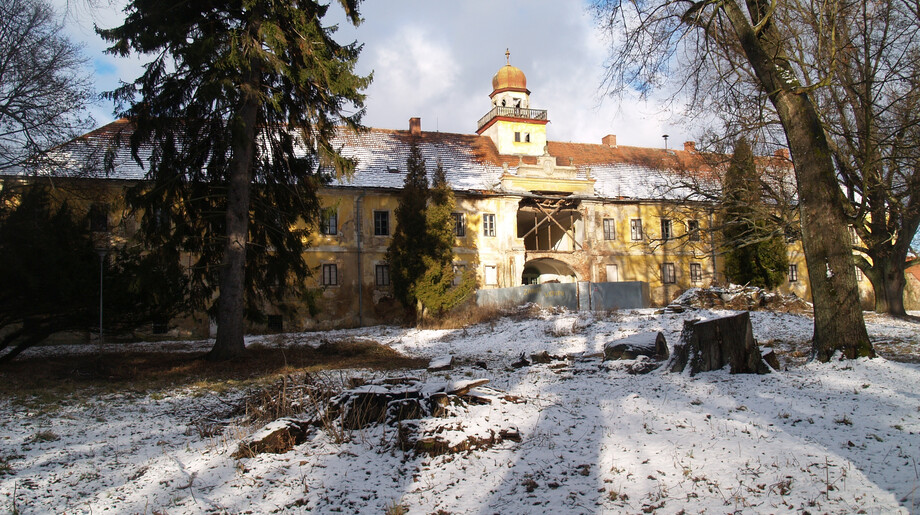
x=509 y=78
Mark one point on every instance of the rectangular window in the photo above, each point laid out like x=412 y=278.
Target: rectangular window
x=275 y=323
x=859 y=274
x=458 y=274
x=666 y=233
x=488 y=224
x=330 y=275
x=854 y=238
x=330 y=223
x=517 y=137
x=613 y=273
x=696 y=273
x=381 y=223
x=793 y=273
x=459 y=224
x=491 y=275
x=668 y=274
x=635 y=229
x=610 y=229
x=382 y=275
x=693 y=230
x=99 y=218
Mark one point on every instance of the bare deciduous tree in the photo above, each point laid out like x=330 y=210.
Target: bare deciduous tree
x=43 y=86
x=733 y=51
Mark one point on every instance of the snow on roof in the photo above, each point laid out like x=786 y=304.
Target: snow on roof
x=471 y=162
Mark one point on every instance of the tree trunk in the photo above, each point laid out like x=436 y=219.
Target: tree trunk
x=231 y=302
x=839 y=323
x=887 y=278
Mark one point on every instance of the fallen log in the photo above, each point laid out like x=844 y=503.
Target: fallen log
x=652 y=345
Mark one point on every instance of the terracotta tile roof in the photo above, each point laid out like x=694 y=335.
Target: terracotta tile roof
x=471 y=162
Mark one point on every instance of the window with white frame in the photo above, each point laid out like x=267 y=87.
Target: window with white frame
x=696 y=273
x=793 y=273
x=381 y=223
x=459 y=224
x=490 y=275
x=859 y=274
x=668 y=273
x=635 y=229
x=488 y=224
x=330 y=275
x=610 y=229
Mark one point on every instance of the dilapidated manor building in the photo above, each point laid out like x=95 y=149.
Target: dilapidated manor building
x=529 y=210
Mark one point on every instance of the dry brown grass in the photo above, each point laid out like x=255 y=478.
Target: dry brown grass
x=470 y=314
x=62 y=376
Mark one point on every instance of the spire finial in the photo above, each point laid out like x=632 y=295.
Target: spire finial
x=507 y=57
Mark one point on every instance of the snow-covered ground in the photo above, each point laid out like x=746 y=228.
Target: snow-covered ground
x=841 y=437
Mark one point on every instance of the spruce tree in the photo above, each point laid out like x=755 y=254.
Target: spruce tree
x=754 y=253
x=234 y=122
x=435 y=289
x=411 y=242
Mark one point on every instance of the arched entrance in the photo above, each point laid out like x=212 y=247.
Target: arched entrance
x=547 y=270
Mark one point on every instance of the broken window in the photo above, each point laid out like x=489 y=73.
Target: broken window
x=488 y=224
x=459 y=224
x=610 y=231
x=330 y=222
x=381 y=223
x=635 y=229
x=668 y=274
x=666 y=233
x=693 y=230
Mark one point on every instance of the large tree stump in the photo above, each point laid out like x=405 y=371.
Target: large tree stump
x=712 y=344
x=652 y=345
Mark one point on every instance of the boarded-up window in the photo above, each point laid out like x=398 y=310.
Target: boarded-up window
x=613 y=273
x=491 y=275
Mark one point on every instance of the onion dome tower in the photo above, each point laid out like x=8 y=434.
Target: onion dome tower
x=515 y=128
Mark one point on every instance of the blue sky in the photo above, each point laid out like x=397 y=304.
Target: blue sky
x=436 y=59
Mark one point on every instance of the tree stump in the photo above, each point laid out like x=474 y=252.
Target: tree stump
x=712 y=344
x=652 y=345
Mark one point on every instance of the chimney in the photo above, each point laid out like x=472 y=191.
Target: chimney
x=415 y=126
x=610 y=140
x=782 y=153
x=689 y=146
